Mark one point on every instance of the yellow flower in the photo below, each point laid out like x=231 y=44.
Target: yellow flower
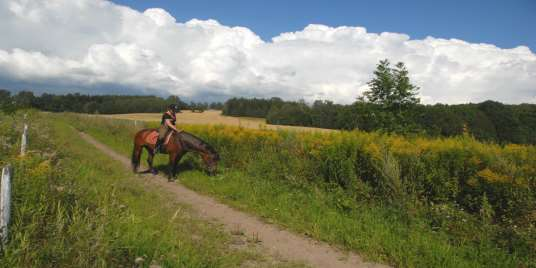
x=473 y=182
x=490 y=176
x=41 y=169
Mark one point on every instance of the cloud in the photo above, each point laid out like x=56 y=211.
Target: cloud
x=80 y=45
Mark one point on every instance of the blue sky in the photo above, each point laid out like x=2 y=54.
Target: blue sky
x=505 y=24
x=477 y=50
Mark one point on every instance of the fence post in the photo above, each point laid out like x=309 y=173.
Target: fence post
x=24 y=141
x=136 y=123
x=5 y=203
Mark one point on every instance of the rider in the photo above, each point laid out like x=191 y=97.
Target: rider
x=166 y=125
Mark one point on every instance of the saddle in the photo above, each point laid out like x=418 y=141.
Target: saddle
x=153 y=137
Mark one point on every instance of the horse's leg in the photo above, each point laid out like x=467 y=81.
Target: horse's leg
x=136 y=154
x=180 y=154
x=150 y=161
x=174 y=163
x=172 y=166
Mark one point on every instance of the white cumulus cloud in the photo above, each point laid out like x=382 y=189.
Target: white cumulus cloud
x=82 y=45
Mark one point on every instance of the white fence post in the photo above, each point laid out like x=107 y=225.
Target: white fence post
x=24 y=141
x=5 y=203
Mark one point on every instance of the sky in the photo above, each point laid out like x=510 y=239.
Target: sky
x=456 y=51
x=506 y=24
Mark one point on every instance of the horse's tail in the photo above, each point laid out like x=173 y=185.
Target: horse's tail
x=136 y=154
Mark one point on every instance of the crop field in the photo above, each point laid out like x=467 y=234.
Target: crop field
x=213 y=117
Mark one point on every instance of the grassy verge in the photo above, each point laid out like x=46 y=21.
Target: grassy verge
x=73 y=207
x=382 y=231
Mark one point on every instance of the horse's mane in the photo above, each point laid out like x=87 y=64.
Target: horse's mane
x=197 y=142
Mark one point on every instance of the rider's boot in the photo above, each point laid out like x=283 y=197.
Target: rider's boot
x=158 y=147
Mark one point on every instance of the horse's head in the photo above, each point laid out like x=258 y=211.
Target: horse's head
x=211 y=160
x=207 y=152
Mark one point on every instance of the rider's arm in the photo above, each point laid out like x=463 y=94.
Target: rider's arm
x=170 y=125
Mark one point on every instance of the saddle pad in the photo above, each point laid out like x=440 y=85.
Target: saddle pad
x=152 y=137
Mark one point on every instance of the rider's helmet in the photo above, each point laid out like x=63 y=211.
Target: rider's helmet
x=173 y=108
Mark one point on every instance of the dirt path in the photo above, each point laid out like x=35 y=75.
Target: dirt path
x=277 y=241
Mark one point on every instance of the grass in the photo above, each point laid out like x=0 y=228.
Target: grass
x=73 y=207
x=380 y=231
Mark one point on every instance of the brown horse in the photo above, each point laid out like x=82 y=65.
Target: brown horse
x=178 y=145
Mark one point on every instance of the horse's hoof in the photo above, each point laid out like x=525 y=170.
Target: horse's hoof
x=154 y=172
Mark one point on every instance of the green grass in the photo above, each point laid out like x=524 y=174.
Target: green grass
x=75 y=207
x=380 y=231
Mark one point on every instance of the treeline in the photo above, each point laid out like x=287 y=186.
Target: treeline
x=250 y=107
x=488 y=121
x=391 y=104
x=97 y=104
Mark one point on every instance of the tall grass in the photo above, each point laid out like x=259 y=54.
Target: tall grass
x=421 y=202
x=73 y=207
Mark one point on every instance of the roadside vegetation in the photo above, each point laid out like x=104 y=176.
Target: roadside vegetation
x=74 y=207
x=409 y=202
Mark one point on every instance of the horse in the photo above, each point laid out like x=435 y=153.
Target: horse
x=177 y=146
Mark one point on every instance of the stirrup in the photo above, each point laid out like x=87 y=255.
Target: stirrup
x=162 y=149
x=158 y=148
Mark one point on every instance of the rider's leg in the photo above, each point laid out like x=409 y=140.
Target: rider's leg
x=162 y=131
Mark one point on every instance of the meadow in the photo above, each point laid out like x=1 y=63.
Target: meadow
x=405 y=201
x=72 y=207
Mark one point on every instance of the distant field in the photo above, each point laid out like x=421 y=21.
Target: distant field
x=213 y=117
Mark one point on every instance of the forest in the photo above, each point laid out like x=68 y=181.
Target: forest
x=95 y=104
x=486 y=121
x=391 y=105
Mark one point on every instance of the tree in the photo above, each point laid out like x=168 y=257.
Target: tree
x=392 y=88
x=508 y=127
x=5 y=96
x=6 y=103
x=396 y=97
x=290 y=113
x=24 y=99
x=381 y=86
x=405 y=93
